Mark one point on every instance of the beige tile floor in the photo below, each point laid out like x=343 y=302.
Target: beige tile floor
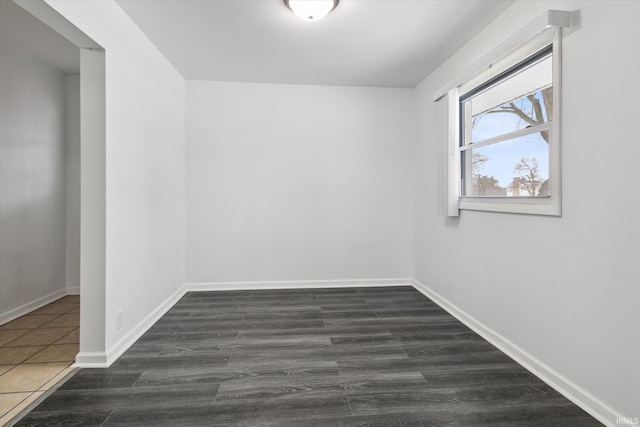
x=36 y=352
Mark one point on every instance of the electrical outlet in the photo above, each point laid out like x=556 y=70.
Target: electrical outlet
x=120 y=318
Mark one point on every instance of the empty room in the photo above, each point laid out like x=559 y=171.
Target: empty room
x=319 y=213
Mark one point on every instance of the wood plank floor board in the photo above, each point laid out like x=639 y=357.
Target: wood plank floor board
x=147 y=347
x=132 y=397
x=444 y=333
x=416 y=347
x=508 y=412
x=494 y=374
x=198 y=325
x=314 y=315
x=397 y=302
x=443 y=325
x=191 y=314
x=298 y=291
x=282 y=324
x=413 y=364
x=337 y=353
x=280 y=302
x=283 y=308
x=152 y=360
x=239 y=412
x=340 y=299
x=65 y=418
x=239 y=372
x=100 y=379
x=325 y=332
x=345 y=307
x=388 y=289
x=410 y=311
x=409 y=339
x=192 y=350
x=350 y=384
x=449 y=347
x=392 y=322
x=456 y=400
x=179 y=336
x=545 y=417
x=332 y=291
x=255 y=344
x=407 y=306
x=383 y=356
x=282 y=296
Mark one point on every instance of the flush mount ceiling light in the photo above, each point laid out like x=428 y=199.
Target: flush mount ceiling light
x=311 y=10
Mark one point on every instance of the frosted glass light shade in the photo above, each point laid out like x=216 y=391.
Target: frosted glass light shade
x=311 y=10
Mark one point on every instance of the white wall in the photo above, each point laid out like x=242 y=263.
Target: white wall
x=93 y=210
x=565 y=290
x=72 y=182
x=145 y=164
x=290 y=182
x=32 y=177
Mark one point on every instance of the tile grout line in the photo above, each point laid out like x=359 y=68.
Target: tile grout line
x=17 y=404
x=6 y=346
x=42 y=328
x=53 y=377
x=11 y=369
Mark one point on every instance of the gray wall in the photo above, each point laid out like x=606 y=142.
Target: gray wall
x=564 y=290
x=33 y=175
x=72 y=273
x=288 y=182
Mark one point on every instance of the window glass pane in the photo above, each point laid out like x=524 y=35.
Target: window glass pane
x=513 y=168
x=522 y=100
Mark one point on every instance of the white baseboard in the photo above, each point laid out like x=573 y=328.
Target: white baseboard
x=564 y=386
x=31 y=306
x=132 y=336
x=295 y=284
x=91 y=359
x=73 y=290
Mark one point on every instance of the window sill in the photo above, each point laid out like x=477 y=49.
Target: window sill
x=533 y=206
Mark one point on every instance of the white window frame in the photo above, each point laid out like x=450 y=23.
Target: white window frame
x=542 y=32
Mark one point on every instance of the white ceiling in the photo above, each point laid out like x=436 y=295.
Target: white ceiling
x=26 y=34
x=388 y=43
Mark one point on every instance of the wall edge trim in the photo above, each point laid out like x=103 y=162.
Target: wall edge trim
x=27 y=308
x=143 y=326
x=295 y=284
x=91 y=359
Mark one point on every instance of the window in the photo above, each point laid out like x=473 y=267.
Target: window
x=506 y=131
x=503 y=126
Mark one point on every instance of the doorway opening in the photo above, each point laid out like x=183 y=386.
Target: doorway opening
x=45 y=78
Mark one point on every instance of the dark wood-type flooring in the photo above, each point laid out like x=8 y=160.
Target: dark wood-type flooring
x=313 y=357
